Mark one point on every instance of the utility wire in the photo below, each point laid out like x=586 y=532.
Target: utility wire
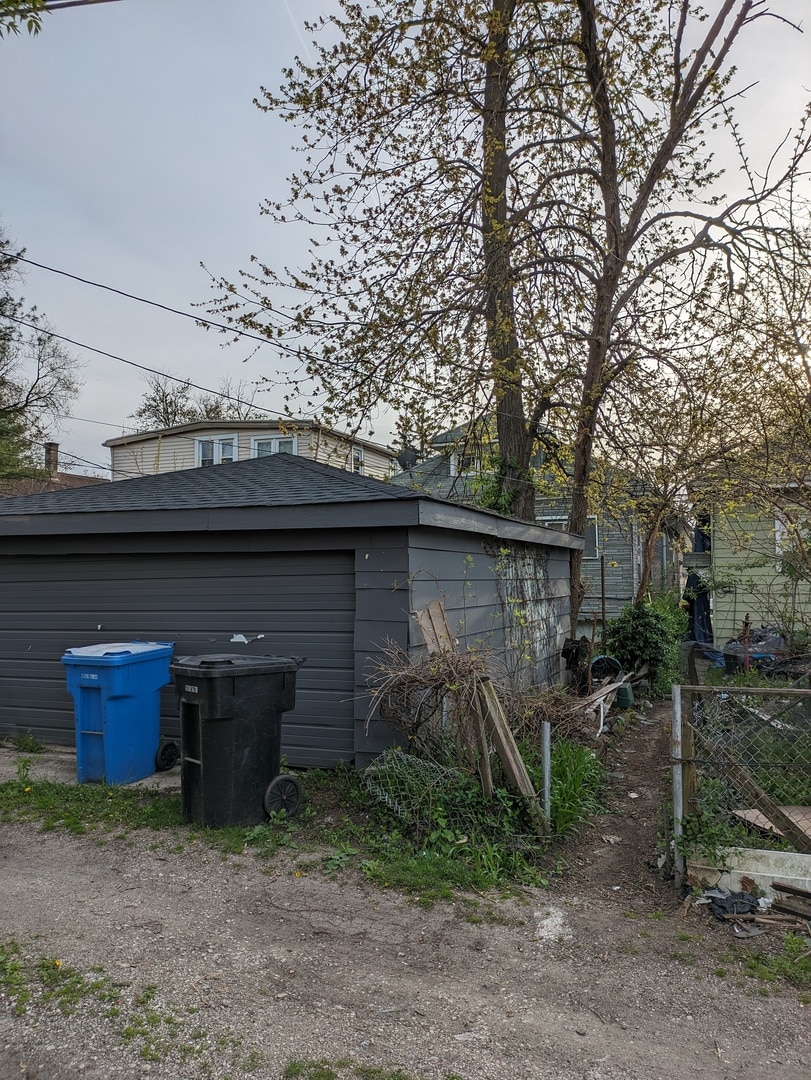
x=143 y=367
x=154 y=303
x=55 y=5
x=173 y=311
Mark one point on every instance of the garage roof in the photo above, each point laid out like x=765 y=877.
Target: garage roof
x=273 y=480
x=280 y=491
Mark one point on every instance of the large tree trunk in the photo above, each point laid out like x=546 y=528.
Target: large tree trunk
x=648 y=555
x=516 y=491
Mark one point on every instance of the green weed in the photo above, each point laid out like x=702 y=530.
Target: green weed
x=12 y=976
x=67 y=987
x=792 y=964
x=27 y=743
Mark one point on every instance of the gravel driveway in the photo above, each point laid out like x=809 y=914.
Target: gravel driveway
x=206 y=966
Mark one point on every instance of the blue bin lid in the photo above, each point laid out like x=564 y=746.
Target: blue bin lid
x=118 y=651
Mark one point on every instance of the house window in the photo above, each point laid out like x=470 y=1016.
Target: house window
x=215 y=450
x=460 y=464
x=592 y=548
x=357 y=460
x=263 y=445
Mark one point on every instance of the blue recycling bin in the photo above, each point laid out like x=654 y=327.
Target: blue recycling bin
x=116 y=692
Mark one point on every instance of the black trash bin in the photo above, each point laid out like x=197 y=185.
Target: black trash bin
x=230 y=737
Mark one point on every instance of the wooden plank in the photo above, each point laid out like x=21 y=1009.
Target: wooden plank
x=800 y=815
x=498 y=729
x=436 y=633
x=483 y=746
x=797 y=908
x=740 y=779
x=795 y=890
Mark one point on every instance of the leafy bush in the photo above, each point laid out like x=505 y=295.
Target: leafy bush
x=651 y=633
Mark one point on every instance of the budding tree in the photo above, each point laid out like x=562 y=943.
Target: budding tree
x=502 y=196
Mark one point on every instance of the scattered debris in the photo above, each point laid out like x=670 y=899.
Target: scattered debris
x=749 y=915
x=792 y=900
x=723 y=903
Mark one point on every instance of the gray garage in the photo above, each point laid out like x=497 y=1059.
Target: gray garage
x=272 y=555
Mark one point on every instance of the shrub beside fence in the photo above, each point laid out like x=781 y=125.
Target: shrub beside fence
x=741 y=759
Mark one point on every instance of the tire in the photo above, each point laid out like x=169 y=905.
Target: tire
x=167 y=756
x=283 y=793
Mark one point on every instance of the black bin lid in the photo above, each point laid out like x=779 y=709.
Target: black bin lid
x=223 y=665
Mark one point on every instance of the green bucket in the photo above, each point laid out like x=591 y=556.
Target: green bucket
x=625 y=696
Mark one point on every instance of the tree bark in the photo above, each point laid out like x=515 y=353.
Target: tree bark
x=515 y=486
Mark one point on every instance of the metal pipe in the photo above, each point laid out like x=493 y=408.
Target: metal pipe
x=678 y=787
x=546 y=768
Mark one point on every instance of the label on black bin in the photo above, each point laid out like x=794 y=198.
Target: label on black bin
x=191 y=689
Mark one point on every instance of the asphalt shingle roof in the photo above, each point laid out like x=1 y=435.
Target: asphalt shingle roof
x=275 y=480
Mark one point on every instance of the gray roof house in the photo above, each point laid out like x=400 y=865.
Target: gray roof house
x=273 y=555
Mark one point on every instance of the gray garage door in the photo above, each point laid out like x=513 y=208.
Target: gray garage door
x=302 y=604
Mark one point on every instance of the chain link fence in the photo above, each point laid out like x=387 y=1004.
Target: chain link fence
x=741 y=761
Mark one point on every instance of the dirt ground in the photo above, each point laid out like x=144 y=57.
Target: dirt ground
x=231 y=967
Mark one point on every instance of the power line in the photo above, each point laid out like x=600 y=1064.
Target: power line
x=153 y=303
x=186 y=315
x=143 y=367
x=84 y=420
x=55 y=5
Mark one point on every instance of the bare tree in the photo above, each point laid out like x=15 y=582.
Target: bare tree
x=38 y=378
x=169 y=401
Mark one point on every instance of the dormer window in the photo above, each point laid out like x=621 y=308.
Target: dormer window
x=264 y=445
x=215 y=450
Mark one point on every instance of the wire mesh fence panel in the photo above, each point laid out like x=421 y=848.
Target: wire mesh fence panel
x=744 y=769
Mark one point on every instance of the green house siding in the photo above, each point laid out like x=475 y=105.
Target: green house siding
x=749 y=578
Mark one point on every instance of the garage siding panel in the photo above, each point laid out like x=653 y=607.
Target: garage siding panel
x=301 y=603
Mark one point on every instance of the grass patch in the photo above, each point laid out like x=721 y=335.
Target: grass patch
x=49 y=982
x=791 y=965
x=343 y=1069
x=458 y=841
x=12 y=977
x=81 y=807
x=68 y=987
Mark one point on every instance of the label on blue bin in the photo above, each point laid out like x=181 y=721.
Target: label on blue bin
x=88 y=675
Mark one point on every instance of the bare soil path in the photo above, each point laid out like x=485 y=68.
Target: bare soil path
x=233 y=967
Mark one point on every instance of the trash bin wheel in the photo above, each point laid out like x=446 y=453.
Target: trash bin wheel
x=283 y=793
x=167 y=756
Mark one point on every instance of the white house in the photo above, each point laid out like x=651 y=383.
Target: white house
x=216 y=442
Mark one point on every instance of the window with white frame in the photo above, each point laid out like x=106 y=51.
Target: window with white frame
x=357 y=460
x=264 y=445
x=460 y=464
x=215 y=449
x=592 y=538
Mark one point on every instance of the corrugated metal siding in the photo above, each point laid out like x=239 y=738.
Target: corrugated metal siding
x=303 y=603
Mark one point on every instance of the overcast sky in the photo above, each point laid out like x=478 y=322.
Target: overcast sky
x=131 y=153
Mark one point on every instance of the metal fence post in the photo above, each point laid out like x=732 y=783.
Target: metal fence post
x=546 y=769
x=676 y=754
